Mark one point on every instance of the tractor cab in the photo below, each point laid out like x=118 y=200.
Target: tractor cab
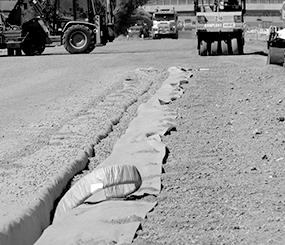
x=58 y=13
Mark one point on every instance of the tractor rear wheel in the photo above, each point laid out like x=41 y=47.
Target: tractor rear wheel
x=78 y=39
x=234 y=46
x=18 y=52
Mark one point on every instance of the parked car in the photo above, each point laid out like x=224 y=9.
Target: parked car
x=189 y=24
x=138 y=31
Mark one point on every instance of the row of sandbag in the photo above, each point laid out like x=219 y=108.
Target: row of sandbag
x=85 y=214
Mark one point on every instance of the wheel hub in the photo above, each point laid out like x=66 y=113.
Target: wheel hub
x=78 y=40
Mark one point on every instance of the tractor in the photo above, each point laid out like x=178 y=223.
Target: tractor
x=78 y=25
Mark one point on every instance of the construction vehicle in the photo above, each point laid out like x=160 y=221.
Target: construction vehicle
x=276 y=42
x=220 y=26
x=165 y=23
x=79 y=25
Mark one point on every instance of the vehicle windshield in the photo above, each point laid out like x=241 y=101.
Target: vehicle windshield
x=166 y=17
x=218 y=5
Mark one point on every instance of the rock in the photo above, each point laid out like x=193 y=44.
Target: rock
x=281 y=119
x=265 y=157
x=257 y=131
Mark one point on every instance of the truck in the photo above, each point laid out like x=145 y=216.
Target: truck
x=78 y=25
x=220 y=26
x=165 y=23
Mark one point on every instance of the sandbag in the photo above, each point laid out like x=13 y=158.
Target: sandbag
x=115 y=181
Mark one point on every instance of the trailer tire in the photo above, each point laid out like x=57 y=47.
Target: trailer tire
x=275 y=56
x=240 y=44
x=78 y=39
x=229 y=47
x=203 y=48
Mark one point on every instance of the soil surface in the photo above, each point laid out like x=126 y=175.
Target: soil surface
x=223 y=178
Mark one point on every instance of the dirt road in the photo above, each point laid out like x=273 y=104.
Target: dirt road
x=224 y=175
x=38 y=94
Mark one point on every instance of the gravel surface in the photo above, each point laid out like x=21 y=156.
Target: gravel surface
x=23 y=180
x=223 y=178
x=104 y=148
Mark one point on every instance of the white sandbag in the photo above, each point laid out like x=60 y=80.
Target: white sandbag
x=116 y=181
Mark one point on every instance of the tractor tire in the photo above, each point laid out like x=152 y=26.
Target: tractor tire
x=78 y=39
x=234 y=46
